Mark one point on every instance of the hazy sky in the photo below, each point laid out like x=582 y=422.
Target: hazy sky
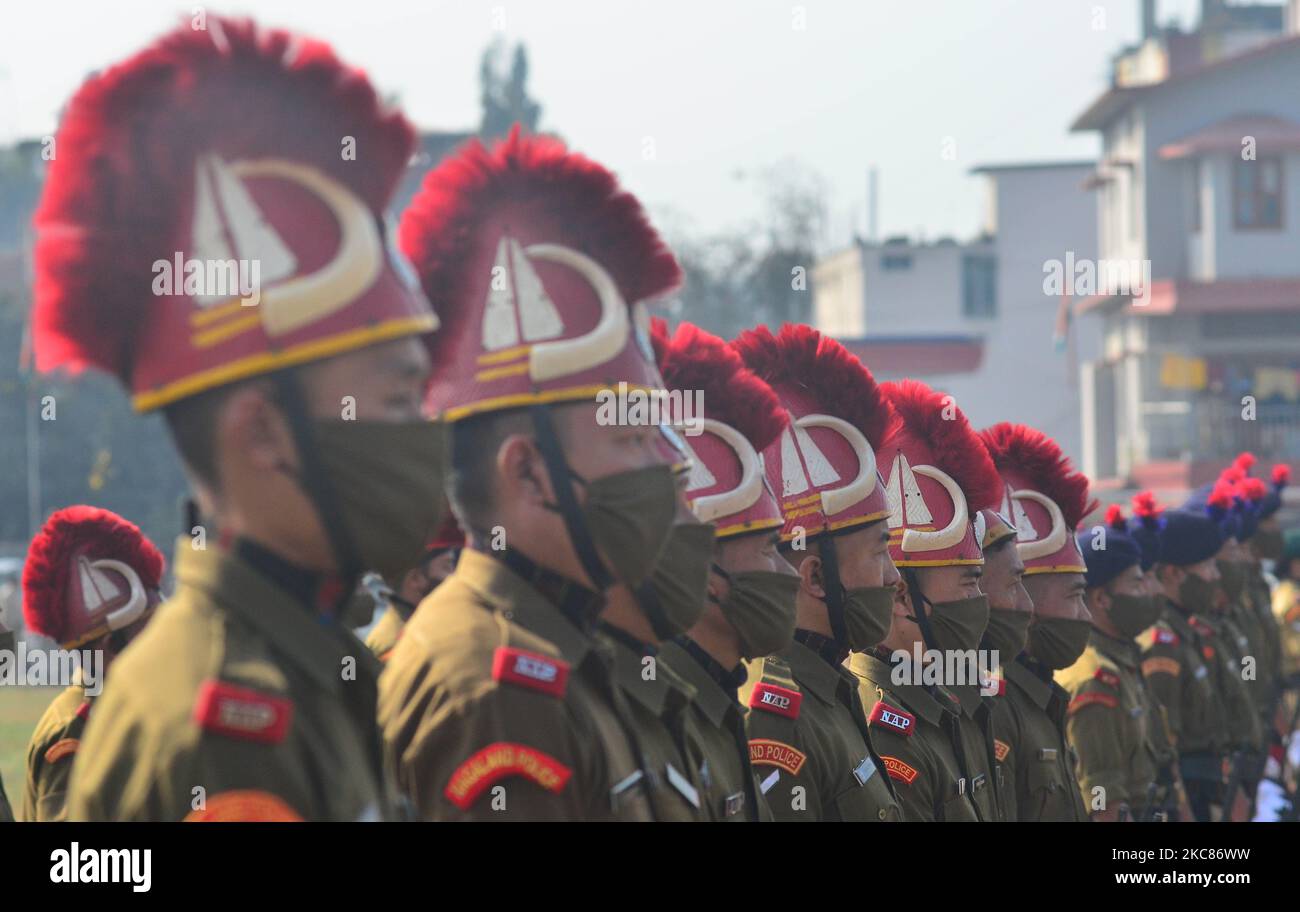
x=716 y=89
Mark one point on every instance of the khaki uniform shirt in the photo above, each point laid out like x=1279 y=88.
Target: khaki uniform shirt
x=498 y=705
x=1038 y=764
x=1286 y=612
x=914 y=727
x=237 y=701
x=383 y=637
x=729 y=789
x=1184 y=685
x=1111 y=724
x=808 y=741
x=1222 y=645
x=977 y=753
x=50 y=753
x=659 y=701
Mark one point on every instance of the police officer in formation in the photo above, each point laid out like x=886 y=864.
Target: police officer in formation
x=698 y=580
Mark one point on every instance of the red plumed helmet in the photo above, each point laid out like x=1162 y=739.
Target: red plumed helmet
x=541 y=267
x=1252 y=489
x=729 y=416
x=1047 y=498
x=1115 y=517
x=88 y=572
x=940 y=477
x=1245 y=462
x=1281 y=475
x=1145 y=506
x=206 y=173
x=824 y=464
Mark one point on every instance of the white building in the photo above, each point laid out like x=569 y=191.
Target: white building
x=974 y=319
x=1199 y=181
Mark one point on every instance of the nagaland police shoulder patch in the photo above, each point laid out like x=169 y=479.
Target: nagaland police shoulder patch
x=244 y=806
x=499 y=760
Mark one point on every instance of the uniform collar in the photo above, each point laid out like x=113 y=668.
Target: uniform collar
x=503 y=588
x=271 y=602
x=813 y=671
x=711 y=694
x=1035 y=688
x=916 y=698
x=968 y=697
x=1122 y=652
x=663 y=691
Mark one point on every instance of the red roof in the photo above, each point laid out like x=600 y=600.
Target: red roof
x=1271 y=134
x=1116 y=98
x=1170 y=295
x=918 y=357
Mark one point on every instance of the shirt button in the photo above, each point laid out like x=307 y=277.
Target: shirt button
x=882 y=813
x=508 y=615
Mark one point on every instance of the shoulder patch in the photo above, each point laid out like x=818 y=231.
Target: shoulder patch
x=240 y=712
x=499 y=760
x=60 y=749
x=246 y=805
x=765 y=752
x=1001 y=749
x=1109 y=678
x=532 y=670
x=1200 y=626
x=1165 y=637
x=892 y=718
x=780 y=700
x=899 y=770
x=1160 y=665
x=83 y=711
x=1089 y=699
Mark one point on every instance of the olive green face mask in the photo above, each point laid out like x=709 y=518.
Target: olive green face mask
x=1007 y=632
x=630 y=515
x=868 y=616
x=387 y=480
x=1233 y=578
x=1058 y=642
x=958 y=625
x=1195 y=595
x=760 y=606
x=1131 y=614
x=680 y=579
x=1268 y=544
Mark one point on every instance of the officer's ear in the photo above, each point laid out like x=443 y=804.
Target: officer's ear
x=811 y=579
x=253 y=424
x=522 y=471
x=902 y=597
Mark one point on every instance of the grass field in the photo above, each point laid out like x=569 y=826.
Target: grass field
x=20 y=708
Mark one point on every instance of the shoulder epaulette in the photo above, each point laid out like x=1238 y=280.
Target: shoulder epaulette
x=531 y=670
x=243 y=713
x=891 y=718
x=1201 y=626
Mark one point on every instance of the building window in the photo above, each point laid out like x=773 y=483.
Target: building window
x=979 y=286
x=1196 y=195
x=1257 y=193
x=896 y=262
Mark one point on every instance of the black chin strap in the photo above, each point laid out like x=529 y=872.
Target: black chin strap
x=834 y=591
x=315 y=482
x=557 y=467
x=918 y=610
x=561 y=480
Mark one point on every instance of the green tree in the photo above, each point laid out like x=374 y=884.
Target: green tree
x=505 y=94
